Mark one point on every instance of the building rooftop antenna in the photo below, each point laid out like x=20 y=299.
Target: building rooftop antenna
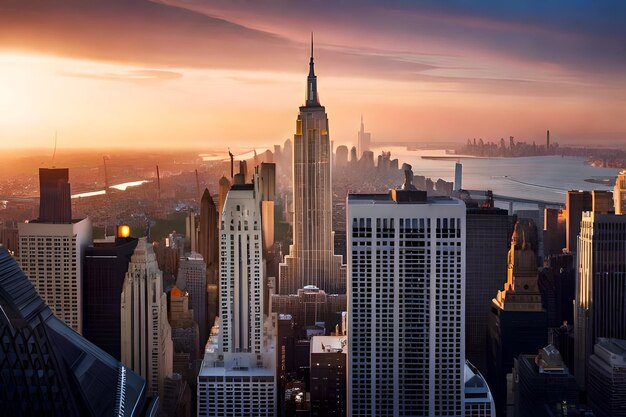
x=55 y=148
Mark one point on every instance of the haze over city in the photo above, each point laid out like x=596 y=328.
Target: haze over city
x=199 y=74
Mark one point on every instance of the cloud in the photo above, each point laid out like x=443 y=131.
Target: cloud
x=136 y=76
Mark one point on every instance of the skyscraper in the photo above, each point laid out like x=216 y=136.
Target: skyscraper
x=51 y=249
x=238 y=375
x=241 y=272
x=406 y=283
x=599 y=308
x=575 y=203
x=46 y=369
x=311 y=259
x=619 y=193
x=363 y=140
x=192 y=279
x=105 y=266
x=55 y=204
x=146 y=334
x=208 y=239
x=517 y=323
x=487 y=246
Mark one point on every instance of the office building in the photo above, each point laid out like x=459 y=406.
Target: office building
x=51 y=255
x=192 y=280
x=576 y=202
x=51 y=249
x=599 y=308
x=540 y=382
x=105 y=266
x=364 y=140
x=328 y=376
x=554 y=231
x=606 y=383
x=9 y=236
x=184 y=335
x=311 y=259
x=486 y=254
x=406 y=280
x=55 y=204
x=208 y=239
x=177 y=400
x=146 y=334
x=517 y=322
x=46 y=369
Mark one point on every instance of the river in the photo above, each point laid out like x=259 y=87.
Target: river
x=546 y=178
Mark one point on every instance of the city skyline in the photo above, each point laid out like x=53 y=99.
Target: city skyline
x=114 y=75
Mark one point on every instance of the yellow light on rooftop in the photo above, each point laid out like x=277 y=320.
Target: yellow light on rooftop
x=123 y=231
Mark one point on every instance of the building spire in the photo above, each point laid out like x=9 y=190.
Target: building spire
x=312 y=100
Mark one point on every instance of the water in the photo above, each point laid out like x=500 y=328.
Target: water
x=546 y=178
x=121 y=187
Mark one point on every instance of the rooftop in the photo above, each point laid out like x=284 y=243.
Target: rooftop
x=329 y=344
x=401 y=197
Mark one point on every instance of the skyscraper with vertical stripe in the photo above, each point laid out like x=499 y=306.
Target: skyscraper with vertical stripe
x=311 y=260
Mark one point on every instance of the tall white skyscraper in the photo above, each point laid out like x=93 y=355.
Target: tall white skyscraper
x=406 y=330
x=237 y=377
x=311 y=259
x=241 y=272
x=51 y=256
x=146 y=334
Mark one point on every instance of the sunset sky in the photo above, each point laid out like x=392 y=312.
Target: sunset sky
x=208 y=74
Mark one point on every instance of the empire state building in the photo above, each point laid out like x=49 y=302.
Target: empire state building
x=311 y=260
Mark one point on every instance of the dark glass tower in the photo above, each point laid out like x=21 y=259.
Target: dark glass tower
x=54 y=196
x=487 y=246
x=105 y=267
x=47 y=369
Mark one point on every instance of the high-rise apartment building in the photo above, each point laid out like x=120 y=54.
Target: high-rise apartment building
x=599 y=308
x=241 y=272
x=146 y=334
x=311 y=259
x=104 y=270
x=406 y=321
x=238 y=375
x=51 y=255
